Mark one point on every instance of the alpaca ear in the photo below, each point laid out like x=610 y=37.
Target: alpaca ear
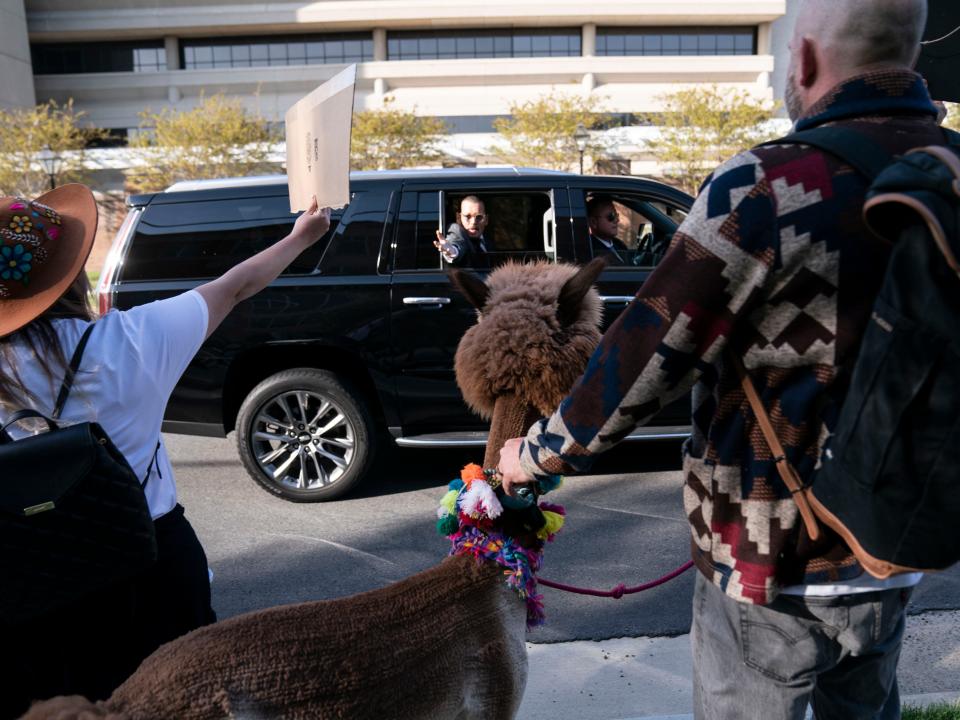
x=574 y=290
x=470 y=286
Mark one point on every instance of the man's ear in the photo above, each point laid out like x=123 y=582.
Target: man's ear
x=470 y=286
x=809 y=68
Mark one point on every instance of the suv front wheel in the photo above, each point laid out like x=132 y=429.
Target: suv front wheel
x=304 y=435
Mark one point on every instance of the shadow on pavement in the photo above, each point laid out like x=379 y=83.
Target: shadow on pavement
x=404 y=469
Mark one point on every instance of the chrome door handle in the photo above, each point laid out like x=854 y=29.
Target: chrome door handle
x=426 y=301
x=616 y=299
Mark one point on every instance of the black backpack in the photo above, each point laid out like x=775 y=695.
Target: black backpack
x=889 y=479
x=73 y=515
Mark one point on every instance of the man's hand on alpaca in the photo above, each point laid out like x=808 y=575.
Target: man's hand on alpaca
x=512 y=473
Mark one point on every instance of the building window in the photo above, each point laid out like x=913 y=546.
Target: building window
x=677 y=41
x=98 y=57
x=209 y=53
x=454 y=44
x=470 y=123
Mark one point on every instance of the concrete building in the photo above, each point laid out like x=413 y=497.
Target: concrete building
x=16 y=73
x=464 y=64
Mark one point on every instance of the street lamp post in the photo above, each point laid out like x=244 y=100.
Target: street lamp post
x=581 y=137
x=51 y=164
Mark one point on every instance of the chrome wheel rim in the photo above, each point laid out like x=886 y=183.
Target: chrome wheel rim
x=302 y=440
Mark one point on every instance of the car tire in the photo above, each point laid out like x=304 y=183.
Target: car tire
x=305 y=435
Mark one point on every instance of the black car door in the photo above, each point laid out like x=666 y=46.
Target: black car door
x=427 y=315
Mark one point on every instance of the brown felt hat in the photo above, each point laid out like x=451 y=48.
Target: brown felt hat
x=44 y=244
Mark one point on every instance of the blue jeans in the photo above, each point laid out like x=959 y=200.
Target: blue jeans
x=838 y=654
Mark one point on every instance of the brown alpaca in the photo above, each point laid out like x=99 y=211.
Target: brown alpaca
x=446 y=643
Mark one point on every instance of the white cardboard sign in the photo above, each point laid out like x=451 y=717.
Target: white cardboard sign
x=318 y=144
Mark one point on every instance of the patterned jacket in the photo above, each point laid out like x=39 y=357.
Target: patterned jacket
x=774 y=262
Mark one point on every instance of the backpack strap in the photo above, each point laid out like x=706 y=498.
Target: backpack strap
x=61 y=397
x=68 y=378
x=951 y=136
x=787 y=472
x=23 y=415
x=71 y=372
x=926 y=209
x=855 y=149
x=146 y=478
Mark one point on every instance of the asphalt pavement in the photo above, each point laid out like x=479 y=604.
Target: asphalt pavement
x=595 y=659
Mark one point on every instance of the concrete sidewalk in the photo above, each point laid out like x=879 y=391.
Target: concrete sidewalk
x=629 y=678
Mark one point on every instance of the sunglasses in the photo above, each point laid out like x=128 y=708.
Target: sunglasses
x=478 y=218
x=612 y=216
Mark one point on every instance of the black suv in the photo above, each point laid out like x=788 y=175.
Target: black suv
x=354 y=343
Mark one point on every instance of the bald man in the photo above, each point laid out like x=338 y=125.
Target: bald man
x=773 y=264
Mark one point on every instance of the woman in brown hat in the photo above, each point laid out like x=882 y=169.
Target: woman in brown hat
x=130 y=365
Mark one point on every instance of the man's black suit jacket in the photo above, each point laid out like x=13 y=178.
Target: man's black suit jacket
x=618 y=255
x=470 y=252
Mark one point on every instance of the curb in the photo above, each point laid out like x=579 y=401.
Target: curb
x=922 y=700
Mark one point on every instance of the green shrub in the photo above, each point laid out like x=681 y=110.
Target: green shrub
x=938 y=711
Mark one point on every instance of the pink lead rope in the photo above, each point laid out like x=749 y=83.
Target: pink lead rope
x=620 y=590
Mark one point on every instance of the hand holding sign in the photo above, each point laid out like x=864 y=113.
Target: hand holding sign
x=314 y=223
x=318 y=144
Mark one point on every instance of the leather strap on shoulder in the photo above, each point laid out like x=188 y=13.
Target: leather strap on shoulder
x=855 y=149
x=71 y=372
x=787 y=472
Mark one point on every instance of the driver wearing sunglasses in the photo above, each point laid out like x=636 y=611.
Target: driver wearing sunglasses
x=464 y=243
x=604 y=223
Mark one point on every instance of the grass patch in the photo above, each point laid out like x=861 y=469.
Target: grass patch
x=937 y=711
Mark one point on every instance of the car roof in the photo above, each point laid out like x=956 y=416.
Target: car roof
x=424 y=174
x=276 y=185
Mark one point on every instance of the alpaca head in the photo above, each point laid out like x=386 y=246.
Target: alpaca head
x=537 y=327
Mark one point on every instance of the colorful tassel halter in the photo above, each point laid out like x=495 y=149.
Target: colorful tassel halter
x=468 y=516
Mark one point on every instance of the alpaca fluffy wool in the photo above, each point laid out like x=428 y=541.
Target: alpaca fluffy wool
x=519 y=346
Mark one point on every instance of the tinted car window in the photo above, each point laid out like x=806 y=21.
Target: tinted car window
x=355 y=245
x=418 y=221
x=515 y=220
x=204 y=239
x=646 y=228
x=515 y=227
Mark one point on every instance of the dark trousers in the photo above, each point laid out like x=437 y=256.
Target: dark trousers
x=92 y=647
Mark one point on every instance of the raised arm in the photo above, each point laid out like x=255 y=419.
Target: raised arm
x=255 y=273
